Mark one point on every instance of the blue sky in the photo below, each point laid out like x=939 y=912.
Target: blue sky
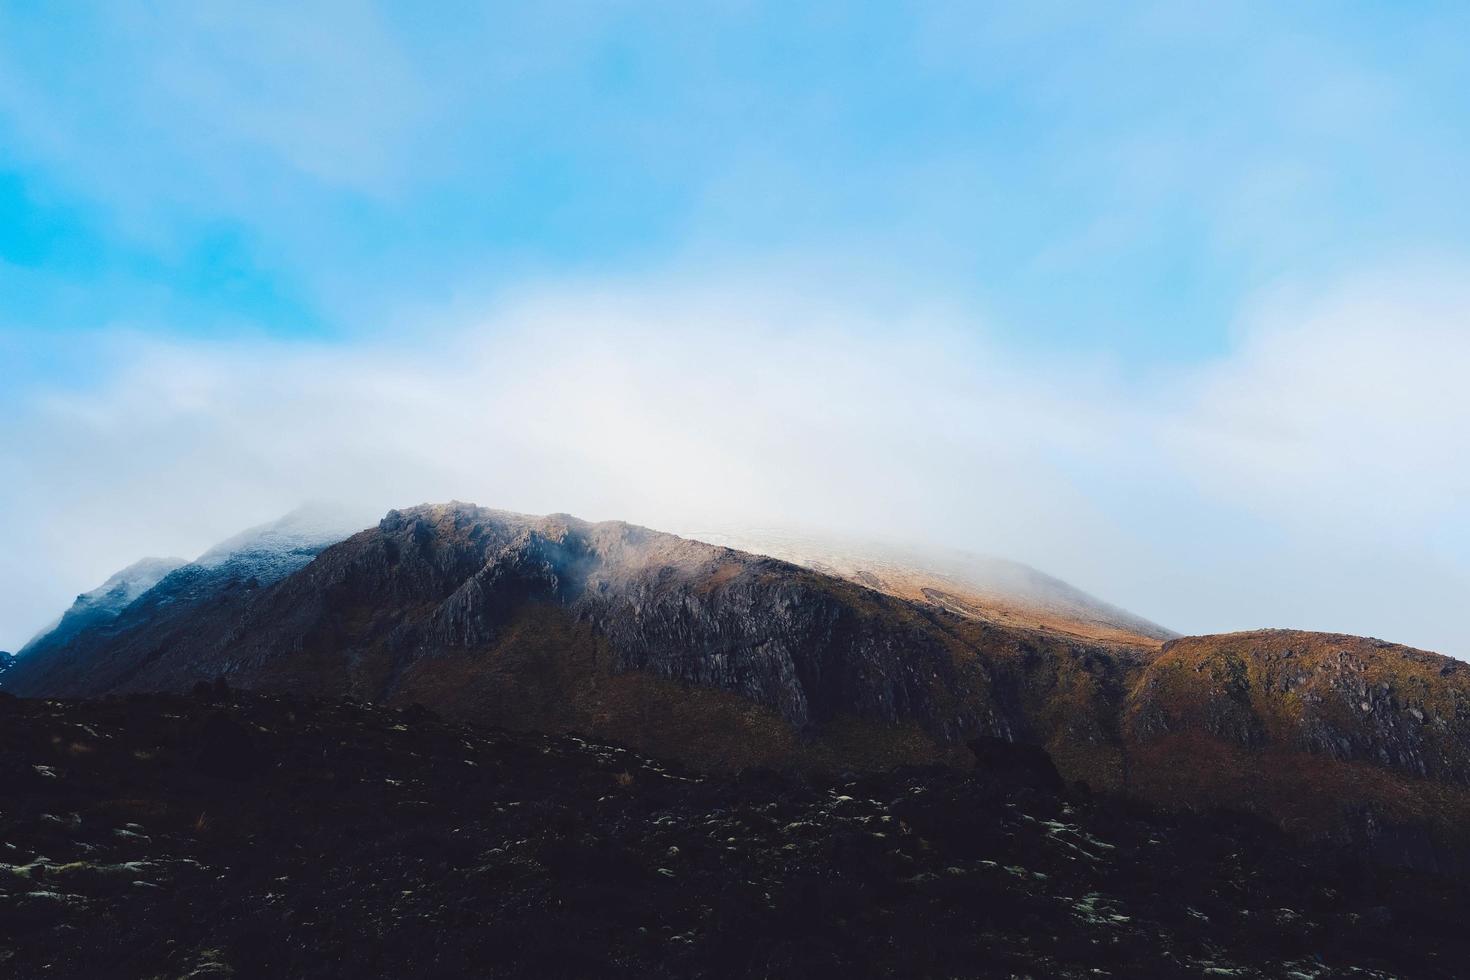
x=1117 y=179
x=1137 y=202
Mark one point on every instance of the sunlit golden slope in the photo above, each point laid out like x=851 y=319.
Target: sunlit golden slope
x=979 y=587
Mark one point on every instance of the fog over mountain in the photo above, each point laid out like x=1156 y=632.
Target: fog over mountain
x=1260 y=489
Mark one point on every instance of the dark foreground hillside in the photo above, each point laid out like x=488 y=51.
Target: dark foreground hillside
x=248 y=836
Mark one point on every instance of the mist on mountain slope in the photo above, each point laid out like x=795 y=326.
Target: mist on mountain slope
x=990 y=588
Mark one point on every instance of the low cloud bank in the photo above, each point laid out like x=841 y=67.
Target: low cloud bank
x=1315 y=476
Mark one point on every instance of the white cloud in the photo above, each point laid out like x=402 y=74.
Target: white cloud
x=1309 y=478
x=1345 y=411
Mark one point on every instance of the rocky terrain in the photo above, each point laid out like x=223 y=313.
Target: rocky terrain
x=724 y=660
x=220 y=834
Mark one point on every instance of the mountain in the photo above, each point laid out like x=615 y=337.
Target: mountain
x=6 y=660
x=724 y=660
x=226 y=834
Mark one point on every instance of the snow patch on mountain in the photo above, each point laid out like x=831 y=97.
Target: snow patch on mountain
x=269 y=552
x=120 y=591
x=260 y=555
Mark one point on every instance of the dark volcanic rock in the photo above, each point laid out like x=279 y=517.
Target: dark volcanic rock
x=373 y=842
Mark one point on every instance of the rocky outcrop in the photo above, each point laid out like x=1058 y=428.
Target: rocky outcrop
x=1346 y=698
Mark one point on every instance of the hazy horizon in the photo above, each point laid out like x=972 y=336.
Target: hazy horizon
x=1170 y=303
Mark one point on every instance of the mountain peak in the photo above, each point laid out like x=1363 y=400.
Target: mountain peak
x=308 y=528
